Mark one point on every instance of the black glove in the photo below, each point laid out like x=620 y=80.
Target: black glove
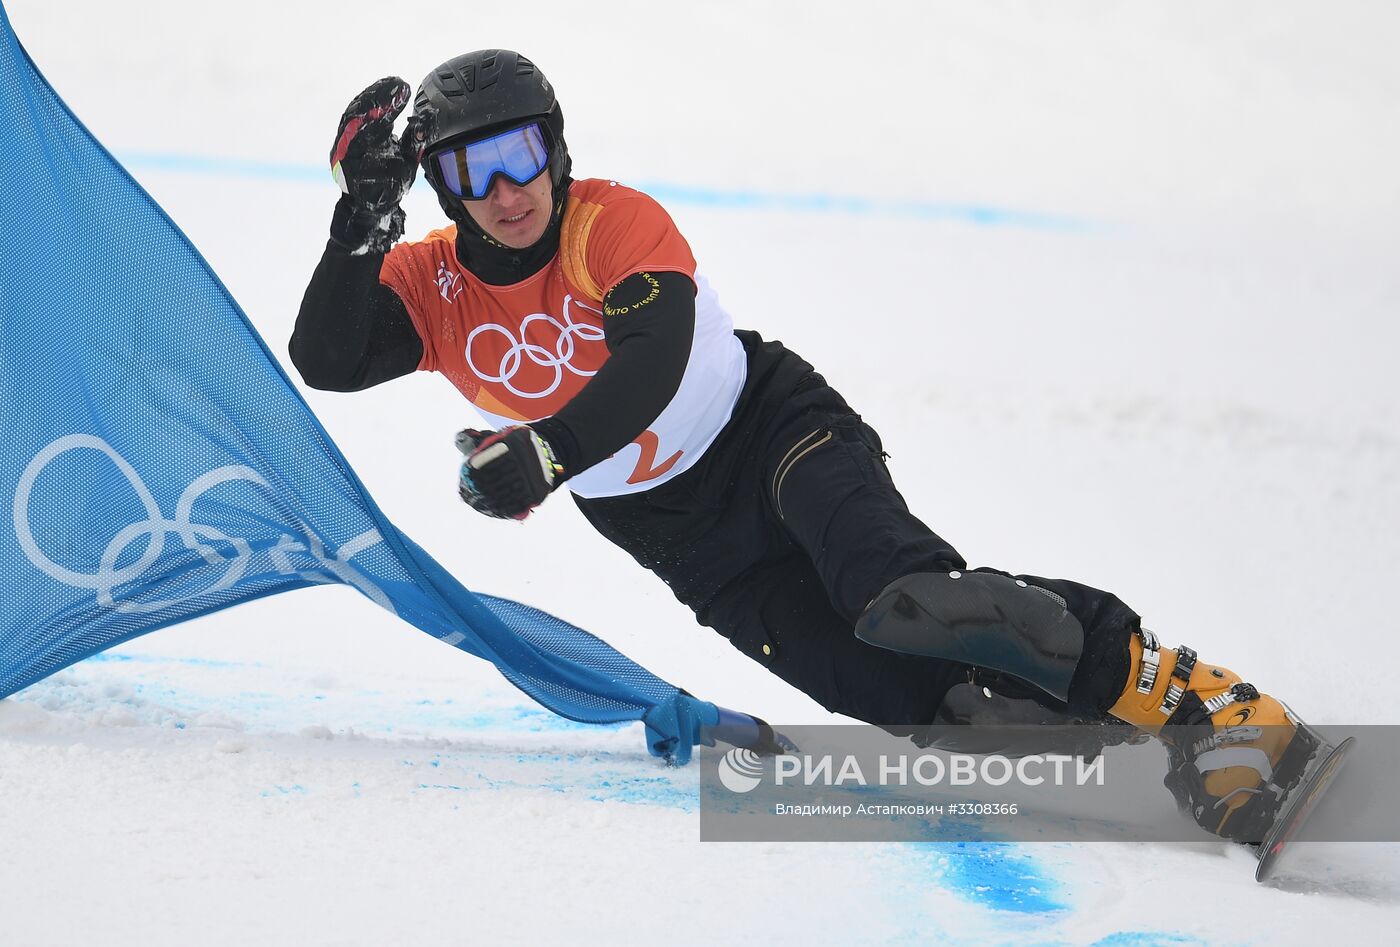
x=507 y=473
x=373 y=168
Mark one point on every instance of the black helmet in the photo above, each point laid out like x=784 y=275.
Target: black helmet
x=481 y=92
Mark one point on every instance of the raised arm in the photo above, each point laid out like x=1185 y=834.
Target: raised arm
x=353 y=332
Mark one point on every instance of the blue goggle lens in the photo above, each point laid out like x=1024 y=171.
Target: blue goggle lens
x=469 y=170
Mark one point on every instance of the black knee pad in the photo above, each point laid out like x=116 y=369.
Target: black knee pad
x=983 y=619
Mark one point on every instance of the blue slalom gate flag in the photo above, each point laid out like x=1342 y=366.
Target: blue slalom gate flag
x=156 y=463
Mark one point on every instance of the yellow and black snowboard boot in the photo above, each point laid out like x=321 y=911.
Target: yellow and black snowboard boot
x=1235 y=753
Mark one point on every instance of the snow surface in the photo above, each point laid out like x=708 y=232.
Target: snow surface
x=1116 y=282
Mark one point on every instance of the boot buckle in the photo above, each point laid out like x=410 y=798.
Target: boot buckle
x=1151 y=661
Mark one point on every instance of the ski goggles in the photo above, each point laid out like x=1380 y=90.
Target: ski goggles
x=468 y=170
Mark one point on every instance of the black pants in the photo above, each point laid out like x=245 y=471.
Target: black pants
x=786 y=530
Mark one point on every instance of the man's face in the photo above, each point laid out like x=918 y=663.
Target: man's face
x=513 y=215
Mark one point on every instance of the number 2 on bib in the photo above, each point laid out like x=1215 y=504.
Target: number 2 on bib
x=647 y=468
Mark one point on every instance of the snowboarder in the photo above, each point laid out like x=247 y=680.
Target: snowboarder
x=572 y=314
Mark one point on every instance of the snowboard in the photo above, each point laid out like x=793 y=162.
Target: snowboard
x=1300 y=807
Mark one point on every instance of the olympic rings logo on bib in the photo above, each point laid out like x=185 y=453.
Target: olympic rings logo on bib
x=558 y=358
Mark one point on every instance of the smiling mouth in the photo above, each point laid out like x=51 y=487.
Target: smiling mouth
x=516 y=219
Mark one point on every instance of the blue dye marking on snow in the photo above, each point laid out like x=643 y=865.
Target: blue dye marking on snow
x=227 y=167
x=519 y=718
x=104 y=657
x=1004 y=877
x=583 y=781
x=296 y=789
x=646 y=791
x=979 y=214
x=445 y=713
x=982 y=215
x=997 y=876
